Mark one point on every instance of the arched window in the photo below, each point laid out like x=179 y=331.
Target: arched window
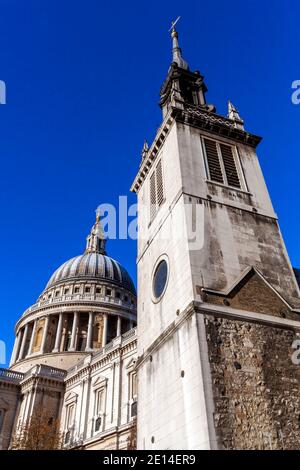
x=99 y=401
x=133 y=394
x=70 y=423
x=70 y=415
x=99 y=408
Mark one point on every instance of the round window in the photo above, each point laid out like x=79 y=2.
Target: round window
x=160 y=279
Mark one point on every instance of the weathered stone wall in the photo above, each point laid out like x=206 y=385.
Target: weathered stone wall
x=254 y=295
x=255 y=384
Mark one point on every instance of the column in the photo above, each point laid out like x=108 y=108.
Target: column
x=32 y=338
x=89 y=338
x=74 y=332
x=16 y=348
x=45 y=334
x=104 y=337
x=119 y=326
x=58 y=333
x=130 y=324
x=23 y=342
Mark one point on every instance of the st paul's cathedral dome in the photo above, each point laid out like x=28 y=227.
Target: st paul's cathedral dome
x=88 y=301
x=92 y=266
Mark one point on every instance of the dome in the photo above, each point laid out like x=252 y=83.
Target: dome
x=93 y=266
x=88 y=302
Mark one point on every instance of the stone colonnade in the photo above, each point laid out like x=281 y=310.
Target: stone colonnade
x=63 y=332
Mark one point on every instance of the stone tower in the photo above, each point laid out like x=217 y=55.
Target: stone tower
x=218 y=297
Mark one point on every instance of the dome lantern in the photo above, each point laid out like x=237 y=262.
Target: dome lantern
x=96 y=239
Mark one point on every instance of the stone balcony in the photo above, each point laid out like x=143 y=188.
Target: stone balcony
x=11 y=376
x=103 y=299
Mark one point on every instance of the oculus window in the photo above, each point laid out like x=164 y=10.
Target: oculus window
x=160 y=279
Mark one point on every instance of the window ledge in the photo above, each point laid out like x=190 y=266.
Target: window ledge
x=232 y=188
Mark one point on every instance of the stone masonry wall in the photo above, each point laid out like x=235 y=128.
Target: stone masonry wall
x=253 y=294
x=255 y=384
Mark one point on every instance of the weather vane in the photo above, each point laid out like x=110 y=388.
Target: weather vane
x=174 y=24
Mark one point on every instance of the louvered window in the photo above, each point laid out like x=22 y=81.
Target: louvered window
x=156 y=189
x=230 y=166
x=213 y=161
x=222 y=163
x=159 y=184
x=152 y=195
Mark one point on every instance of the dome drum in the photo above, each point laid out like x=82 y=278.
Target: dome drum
x=88 y=290
x=69 y=332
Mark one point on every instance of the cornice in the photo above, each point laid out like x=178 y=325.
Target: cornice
x=216 y=124
x=97 y=306
x=245 y=315
x=86 y=279
x=196 y=117
x=113 y=431
x=196 y=307
x=117 y=348
x=8 y=385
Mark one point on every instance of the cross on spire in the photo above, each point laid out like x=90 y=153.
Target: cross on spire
x=177 y=57
x=174 y=24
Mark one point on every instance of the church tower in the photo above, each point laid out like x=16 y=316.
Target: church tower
x=217 y=295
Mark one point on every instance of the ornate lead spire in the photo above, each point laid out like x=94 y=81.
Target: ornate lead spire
x=96 y=240
x=177 y=57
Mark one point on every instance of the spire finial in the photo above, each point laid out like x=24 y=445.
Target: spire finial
x=177 y=57
x=233 y=114
x=145 y=149
x=98 y=214
x=95 y=242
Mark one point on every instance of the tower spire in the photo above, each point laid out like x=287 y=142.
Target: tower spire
x=96 y=239
x=176 y=51
x=182 y=87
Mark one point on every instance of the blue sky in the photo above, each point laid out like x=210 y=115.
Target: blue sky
x=82 y=90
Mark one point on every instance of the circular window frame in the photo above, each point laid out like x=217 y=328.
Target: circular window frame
x=165 y=258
